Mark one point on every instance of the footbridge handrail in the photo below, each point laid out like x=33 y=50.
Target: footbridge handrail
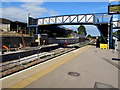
x=71 y=19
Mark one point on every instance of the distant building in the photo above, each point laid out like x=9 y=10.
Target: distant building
x=51 y=31
x=77 y=35
x=5 y=24
x=8 y=25
x=54 y=31
x=18 y=26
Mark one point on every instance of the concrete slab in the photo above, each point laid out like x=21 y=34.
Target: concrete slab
x=34 y=71
x=89 y=63
x=91 y=66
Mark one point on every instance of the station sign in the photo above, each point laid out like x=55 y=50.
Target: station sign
x=32 y=21
x=114 y=9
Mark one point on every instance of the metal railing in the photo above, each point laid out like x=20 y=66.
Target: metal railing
x=73 y=19
x=116 y=24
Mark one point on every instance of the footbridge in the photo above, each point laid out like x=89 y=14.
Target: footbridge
x=77 y=19
x=103 y=21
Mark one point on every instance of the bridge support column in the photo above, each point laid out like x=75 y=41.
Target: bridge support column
x=110 y=39
x=103 y=29
x=36 y=31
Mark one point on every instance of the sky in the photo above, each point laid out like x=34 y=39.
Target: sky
x=18 y=11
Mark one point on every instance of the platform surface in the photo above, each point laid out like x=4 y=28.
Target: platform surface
x=92 y=64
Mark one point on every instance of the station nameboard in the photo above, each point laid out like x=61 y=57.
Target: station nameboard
x=32 y=21
x=114 y=9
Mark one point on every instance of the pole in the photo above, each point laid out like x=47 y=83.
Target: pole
x=17 y=28
x=108 y=37
x=23 y=40
x=28 y=19
x=28 y=22
x=39 y=39
x=36 y=31
x=111 y=32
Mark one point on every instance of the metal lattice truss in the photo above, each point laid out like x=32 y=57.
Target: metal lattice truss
x=116 y=24
x=90 y=19
x=66 y=19
x=74 y=19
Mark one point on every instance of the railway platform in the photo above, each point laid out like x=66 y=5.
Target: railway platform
x=85 y=67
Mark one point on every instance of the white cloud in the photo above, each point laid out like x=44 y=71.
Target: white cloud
x=92 y=30
x=34 y=8
x=20 y=13
x=22 y=0
x=72 y=27
x=0 y=9
x=13 y=13
x=52 y=13
x=56 y=0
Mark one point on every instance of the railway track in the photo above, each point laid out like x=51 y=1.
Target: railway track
x=17 y=65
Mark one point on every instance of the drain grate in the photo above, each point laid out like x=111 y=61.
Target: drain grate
x=73 y=74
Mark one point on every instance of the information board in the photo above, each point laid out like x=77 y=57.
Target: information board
x=114 y=9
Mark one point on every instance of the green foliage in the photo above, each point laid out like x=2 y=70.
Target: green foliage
x=89 y=36
x=82 y=30
x=117 y=33
x=75 y=31
x=102 y=40
x=67 y=35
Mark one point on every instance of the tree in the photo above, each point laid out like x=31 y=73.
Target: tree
x=89 y=36
x=117 y=33
x=75 y=31
x=82 y=30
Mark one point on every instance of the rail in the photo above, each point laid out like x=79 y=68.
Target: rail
x=15 y=66
x=33 y=56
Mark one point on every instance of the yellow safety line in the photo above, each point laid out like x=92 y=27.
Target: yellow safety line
x=45 y=71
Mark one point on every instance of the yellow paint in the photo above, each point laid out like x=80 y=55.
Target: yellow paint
x=45 y=71
x=30 y=79
x=103 y=46
x=21 y=84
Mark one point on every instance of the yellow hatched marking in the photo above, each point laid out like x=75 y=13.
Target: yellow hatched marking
x=45 y=71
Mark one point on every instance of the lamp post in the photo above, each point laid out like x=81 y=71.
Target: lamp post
x=28 y=21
